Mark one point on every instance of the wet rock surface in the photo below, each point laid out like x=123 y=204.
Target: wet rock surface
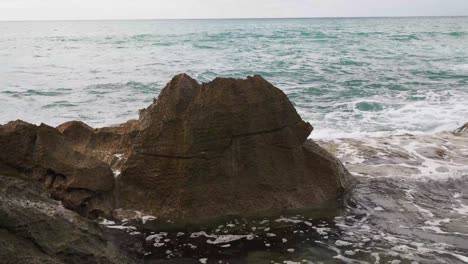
x=34 y=228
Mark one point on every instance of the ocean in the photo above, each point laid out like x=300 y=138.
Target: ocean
x=381 y=93
x=349 y=77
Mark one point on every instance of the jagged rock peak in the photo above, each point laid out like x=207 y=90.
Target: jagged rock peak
x=226 y=147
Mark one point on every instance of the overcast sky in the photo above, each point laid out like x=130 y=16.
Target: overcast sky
x=154 y=9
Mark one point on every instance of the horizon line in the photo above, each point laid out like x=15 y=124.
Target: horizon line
x=226 y=18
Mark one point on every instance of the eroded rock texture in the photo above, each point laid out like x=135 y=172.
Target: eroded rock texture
x=35 y=229
x=83 y=183
x=105 y=144
x=228 y=147
x=199 y=152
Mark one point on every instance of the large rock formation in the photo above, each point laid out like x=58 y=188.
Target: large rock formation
x=82 y=182
x=228 y=147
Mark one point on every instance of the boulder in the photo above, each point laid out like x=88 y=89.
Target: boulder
x=227 y=147
x=83 y=183
x=35 y=229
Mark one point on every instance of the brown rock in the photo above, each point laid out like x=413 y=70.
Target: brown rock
x=199 y=152
x=83 y=183
x=17 y=143
x=228 y=147
x=103 y=143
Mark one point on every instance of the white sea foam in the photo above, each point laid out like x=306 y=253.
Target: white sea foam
x=222 y=239
x=122 y=227
x=439 y=111
x=462 y=209
x=146 y=218
x=341 y=243
x=437 y=157
x=288 y=220
x=106 y=222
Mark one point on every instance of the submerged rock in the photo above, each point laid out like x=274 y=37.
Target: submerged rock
x=228 y=147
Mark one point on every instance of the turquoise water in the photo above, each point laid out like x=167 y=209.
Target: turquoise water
x=348 y=77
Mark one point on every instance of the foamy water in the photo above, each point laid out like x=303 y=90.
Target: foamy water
x=409 y=205
x=348 y=77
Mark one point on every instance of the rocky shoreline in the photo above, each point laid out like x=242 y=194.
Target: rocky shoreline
x=223 y=165
x=200 y=153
